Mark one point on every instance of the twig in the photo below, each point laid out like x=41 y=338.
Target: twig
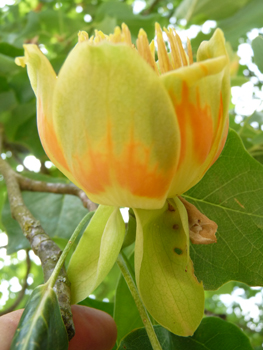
x=27 y=184
x=22 y=291
x=210 y=313
x=42 y=245
x=149 y=10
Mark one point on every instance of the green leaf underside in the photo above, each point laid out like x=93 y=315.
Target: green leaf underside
x=165 y=279
x=96 y=252
x=212 y=334
x=231 y=194
x=41 y=326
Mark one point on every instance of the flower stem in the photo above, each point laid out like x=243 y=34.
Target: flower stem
x=127 y=274
x=55 y=273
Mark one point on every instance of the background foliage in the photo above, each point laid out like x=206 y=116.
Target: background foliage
x=230 y=193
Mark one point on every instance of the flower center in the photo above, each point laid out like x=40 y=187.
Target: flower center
x=167 y=61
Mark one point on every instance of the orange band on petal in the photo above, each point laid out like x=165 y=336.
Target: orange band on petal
x=130 y=170
x=196 y=124
x=49 y=138
x=134 y=172
x=222 y=143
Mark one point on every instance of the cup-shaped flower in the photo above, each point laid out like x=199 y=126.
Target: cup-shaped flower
x=128 y=130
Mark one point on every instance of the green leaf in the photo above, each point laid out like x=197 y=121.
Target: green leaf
x=247 y=18
x=58 y=214
x=257 y=46
x=27 y=135
x=7 y=101
x=164 y=271
x=7 y=65
x=122 y=12
x=20 y=83
x=231 y=194
x=96 y=252
x=126 y=314
x=97 y=304
x=198 y=11
x=10 y=50
x=212 y=334
x=41 y=326
x=238 y=80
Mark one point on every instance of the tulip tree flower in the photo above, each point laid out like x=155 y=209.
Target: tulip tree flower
x=133 y=132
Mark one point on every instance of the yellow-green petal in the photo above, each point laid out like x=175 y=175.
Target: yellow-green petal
x=117 y=126
x=43 y=81
x=200 y=96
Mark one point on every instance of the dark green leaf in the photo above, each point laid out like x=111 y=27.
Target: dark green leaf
x=27 y=135
x=257 y=46
x=41 y=326
x=231 y=194
x=20 y=83
x=10 y=50
x=7 y=101
x=212 y=334
x=59 y=215
x=7 y=65
x=21 y=114
x=97 y=304
x=3 y=84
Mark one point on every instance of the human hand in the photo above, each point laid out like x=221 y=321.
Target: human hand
x=95 y=330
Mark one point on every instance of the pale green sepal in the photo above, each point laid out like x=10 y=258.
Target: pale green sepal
x=96 y=252
x=176 y=203
x=164 y=272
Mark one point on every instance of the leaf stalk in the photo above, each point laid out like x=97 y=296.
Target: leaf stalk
x=128 y=276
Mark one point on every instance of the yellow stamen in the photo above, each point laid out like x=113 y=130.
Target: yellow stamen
x=82 y=36
x=189 y=51
x=99 y=36
x=152 y=49
x=167 y=62
x=175 y=53
x=164 y=62
x=181 y=50
x=116 y=37
x=91 y=39
x=145 y=50
x=126 y=35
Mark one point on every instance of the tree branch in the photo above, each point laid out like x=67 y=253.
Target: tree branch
x=27 y=184
x=42 y=245
x=210 y=313
x=149 y=10
x=22 y=291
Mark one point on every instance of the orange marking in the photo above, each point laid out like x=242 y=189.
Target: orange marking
x=130 y=169
x=194 y=122
x=48 y=137
x=222 y=143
